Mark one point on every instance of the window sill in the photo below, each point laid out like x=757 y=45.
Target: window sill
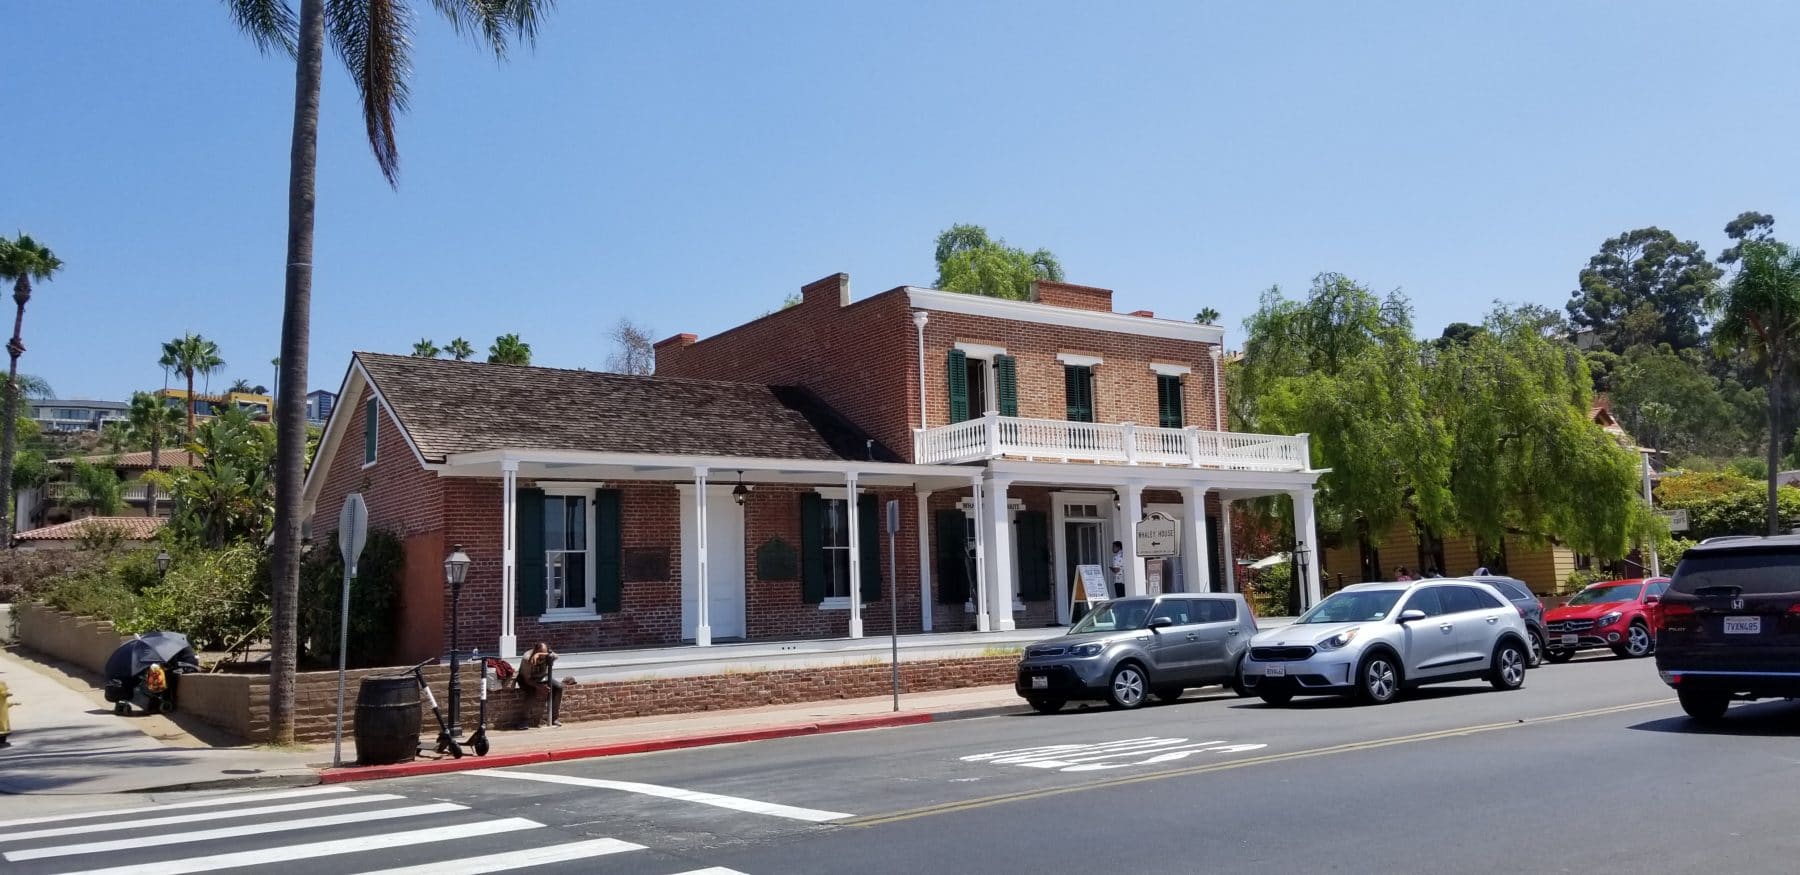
x=839 y=603
x=571 y=616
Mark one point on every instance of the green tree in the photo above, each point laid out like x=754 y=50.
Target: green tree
x=969 y=261
x=229 y=496
x=425 y=349
x=154 y=424
x=31 y=386
x=1207 y=316
x=115 y=437
x=1672 y=402
x=190 y=355
x=374 y=39
x=1759 y=311
x=460 y=349
x=508 y=349
x=1456 y=334
x=1644 y=286
x=1748 y=226
x=242 y=385
x=96 y=489
x=22 y=260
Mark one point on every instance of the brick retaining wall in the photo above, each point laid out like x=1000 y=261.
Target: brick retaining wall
x=79 y=641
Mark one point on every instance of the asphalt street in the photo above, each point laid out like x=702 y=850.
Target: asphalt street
x=1590 y=767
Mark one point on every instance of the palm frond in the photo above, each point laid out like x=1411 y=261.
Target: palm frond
x=374 y=38
x=270 y=24
x=496 y=22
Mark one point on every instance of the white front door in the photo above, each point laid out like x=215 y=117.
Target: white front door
x=724 y=564
x=1080 y=531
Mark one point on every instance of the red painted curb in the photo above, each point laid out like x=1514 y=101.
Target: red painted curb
x=885 y=721
x=429 y=767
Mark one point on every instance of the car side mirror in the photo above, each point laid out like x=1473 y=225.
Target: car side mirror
x=1161 y=623
x=1411 y=614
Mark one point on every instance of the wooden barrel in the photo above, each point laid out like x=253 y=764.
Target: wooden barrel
x=387 y=720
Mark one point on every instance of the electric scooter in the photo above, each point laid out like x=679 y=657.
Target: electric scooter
x=479 y=740
x=445 y=744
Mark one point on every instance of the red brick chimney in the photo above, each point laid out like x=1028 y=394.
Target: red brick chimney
x=1058 y=294
x=833 y=290
x=669 y=349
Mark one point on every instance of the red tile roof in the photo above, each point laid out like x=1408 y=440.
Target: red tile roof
x=130 y=528
x=141 y=459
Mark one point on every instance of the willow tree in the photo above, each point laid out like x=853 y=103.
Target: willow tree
x=374 y=39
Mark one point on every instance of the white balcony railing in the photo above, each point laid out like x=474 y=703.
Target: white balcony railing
x=994 y=436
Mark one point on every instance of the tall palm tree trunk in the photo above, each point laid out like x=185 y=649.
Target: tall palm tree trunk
x=155 y=466
x=1778 y=367
x=190 y=405
x=290 y=407
x=14 y=349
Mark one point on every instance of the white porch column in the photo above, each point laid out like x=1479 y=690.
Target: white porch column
x=996 y=518
x=925 y=559
x=1134 y=512
x=981 y=569
x=702 y=593
x=1227 y=558
x=1195 y=551
x=509 y=557
x=1306 y=530
x=855 y=519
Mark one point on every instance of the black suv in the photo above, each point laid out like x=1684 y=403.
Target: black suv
x=1731 y=624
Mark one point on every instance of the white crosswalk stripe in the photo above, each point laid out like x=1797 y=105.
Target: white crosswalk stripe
x=321 y=828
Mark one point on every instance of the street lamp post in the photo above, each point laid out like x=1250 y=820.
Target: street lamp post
x=1299 y=605
x=162 y=562
x=456 y=569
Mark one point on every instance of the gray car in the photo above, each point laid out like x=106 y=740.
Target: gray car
x=1127 y=649
x=1529 y=606
x=1373 y=640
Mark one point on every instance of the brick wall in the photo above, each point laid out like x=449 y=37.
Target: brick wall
x=402 y=496
x=79 y=641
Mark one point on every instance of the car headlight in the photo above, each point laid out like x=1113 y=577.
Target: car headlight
x=1338 y=640
x=1609 y=618
x=1086 y=649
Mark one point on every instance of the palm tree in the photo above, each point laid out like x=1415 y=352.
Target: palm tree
x=508 y=349
x=373 y=37
x=22 y=260
x=33 y=386
x=154 y=423
x=115 y=437
x=1759 y=311
x=460 y=349
x=189 y=355
x=242 y=385
x=425 y=349
x=1207 y=316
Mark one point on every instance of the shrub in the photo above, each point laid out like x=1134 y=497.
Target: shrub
x=215 y=597
x=374 y=600
x=26 y=575
x=1581 y=579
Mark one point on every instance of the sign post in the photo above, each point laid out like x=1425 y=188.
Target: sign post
x=893 y=532
x=352 y=534
x=1158 y=535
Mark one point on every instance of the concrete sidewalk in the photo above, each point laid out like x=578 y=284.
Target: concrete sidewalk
x=66 y=740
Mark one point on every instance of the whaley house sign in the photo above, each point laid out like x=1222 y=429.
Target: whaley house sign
x=1158 y=535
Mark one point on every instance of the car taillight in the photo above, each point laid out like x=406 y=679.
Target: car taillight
x=1669 y=610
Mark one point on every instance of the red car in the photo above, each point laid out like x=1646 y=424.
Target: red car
x=1624 y=615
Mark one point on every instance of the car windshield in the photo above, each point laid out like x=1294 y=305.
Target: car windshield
x=1353 y=606
x=1115 y=616
x=1599 y=595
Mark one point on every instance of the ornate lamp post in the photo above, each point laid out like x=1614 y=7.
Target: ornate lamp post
x=1301 y=590
x=456 y=569
x=162 y=562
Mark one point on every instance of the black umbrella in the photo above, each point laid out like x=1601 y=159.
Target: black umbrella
x=134 y=657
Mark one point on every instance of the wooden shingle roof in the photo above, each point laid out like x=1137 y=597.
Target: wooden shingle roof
x=450 y=407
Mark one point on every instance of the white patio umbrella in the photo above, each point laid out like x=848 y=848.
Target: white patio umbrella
x=1269 y=560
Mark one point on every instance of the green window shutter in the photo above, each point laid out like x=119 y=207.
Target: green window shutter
x=1034 y=555
x=952 y=557
x=1007 y=372
x=1078 y=388
x=869 y=530
x=958 y=369
x=528 y=569
x=371 y=430
x=1168 y=400
x=812 y=548
x=609 y=567
x=1215 y=554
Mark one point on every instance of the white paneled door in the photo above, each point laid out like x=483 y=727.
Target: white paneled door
x=724 y=561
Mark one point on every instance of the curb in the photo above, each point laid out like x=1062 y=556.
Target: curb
x=308 y=778
x=652 y=745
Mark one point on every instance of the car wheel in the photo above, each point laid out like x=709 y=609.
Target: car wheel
x=1237 y=684
x=1167 y=695
x=1276 y=697
x=1637 y=642
x=1127 y=687
x=1377 y=679
x=1046 y=706
x=1555 y=655
x=1702 y=706
x=1508 y=666
x=1537 y=649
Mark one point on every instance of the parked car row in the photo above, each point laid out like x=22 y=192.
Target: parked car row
x=1371 y=641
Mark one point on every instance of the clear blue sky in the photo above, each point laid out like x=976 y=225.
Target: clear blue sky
x=686 y=165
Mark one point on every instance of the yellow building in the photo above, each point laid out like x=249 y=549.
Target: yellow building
x=1544 y=569
x=207 y=406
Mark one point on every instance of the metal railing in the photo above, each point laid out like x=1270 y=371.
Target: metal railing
x=993 y=436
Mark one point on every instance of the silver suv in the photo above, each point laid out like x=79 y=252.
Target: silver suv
x=1372 y=640
x=1146 y=645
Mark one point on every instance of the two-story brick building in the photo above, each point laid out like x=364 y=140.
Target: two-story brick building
x=738 y=494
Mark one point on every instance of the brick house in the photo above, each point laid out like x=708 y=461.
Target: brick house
x=739 y=493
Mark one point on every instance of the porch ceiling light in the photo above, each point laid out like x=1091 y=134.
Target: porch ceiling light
x=456 y=567
x=741 y=492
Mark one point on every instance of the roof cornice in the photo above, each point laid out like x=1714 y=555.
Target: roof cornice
x=1067 y=317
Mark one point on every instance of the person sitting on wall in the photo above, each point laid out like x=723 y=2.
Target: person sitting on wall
x=537 y=677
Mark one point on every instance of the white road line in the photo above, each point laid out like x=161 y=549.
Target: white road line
x=735 y=803
x=174 y=806
x=198 y=817
x=229 y=832
x=711 y=870
x=334 y=847
x=507 y=861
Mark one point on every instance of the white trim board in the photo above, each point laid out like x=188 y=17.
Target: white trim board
x=1170 y=370
x=1069 y=317
x=1080 y=360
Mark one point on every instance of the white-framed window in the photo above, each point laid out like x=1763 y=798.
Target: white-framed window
x=568 y=569
x=836 y=542
x=983 y=379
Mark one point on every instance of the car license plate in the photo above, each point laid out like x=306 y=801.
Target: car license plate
x=1274 y=671
x=1571 y=639
x=1040 y=682
x=1743 y=625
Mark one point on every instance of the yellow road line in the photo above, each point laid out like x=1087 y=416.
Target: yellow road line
x=1022 y=796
